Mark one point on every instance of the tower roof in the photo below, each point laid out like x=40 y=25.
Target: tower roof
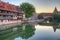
x=55 y=11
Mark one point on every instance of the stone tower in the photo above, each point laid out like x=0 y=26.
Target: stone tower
x=55 y=11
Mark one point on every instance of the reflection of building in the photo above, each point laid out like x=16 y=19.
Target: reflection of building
x=10 y=34
x=9 y=12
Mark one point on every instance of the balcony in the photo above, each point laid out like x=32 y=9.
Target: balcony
x=6 y=17
x=7 y=14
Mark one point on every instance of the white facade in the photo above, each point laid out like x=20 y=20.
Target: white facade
x=9 y=22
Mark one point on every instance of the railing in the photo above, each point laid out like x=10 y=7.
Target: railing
x=6 y=17
x=7 y=14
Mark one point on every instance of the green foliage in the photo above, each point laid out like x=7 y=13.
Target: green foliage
x=57 y=18
x=9 y=33
x=28 y=28
x=29 y=31
x=28 y=9
x=40 y=16
x=49 y=19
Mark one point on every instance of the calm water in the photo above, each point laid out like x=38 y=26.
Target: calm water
x=31 y=32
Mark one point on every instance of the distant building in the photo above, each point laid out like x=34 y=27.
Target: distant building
x=46 y=15
x=34 y=16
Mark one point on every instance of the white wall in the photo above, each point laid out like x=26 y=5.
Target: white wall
x=9 y=22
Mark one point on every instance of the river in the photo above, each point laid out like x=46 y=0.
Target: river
x=31 y=32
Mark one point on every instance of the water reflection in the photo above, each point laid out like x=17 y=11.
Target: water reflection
x=32 y=31
x=22 y=32
x=55 y=27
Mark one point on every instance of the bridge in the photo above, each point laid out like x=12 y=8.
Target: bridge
x=39 y=20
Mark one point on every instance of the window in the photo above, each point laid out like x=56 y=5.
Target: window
x=3 y=11
x=1 y=20
x=0 y=11
x=1 y=6
x=8 y=19
x=11 y=16
x=9 y=12
x=4 y=15
x=0 y=15
x=13 y=8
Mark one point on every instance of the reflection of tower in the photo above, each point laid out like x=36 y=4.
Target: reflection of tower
x=54 y=28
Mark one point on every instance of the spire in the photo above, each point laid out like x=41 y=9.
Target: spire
x=55 y=11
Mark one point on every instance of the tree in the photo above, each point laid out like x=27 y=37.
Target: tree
x=49 y=19
x=40 y=16
x=28 y=32
x=28 y=9
x=57 y=18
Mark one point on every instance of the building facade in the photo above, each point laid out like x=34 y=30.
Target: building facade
x=10 y=12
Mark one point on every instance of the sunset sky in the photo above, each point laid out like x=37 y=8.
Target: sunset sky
x=40 y=5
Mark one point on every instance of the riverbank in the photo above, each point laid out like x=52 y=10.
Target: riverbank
x=47 y=24
x=6 y=25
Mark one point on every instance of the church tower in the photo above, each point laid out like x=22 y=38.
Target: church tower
x=55 y=11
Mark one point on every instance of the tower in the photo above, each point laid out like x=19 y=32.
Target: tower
x=55 y=11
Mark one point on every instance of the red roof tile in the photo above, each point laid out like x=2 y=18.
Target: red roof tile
x=7 y=7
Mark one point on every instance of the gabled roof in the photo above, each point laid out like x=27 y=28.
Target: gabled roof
x=8 y=7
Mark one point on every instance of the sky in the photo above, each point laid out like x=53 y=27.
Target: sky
x=40 y=5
